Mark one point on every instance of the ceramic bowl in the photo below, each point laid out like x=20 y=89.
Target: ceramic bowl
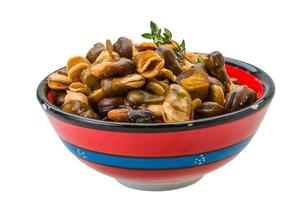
x=163 y=156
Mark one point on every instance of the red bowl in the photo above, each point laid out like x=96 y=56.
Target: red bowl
x=163 y=156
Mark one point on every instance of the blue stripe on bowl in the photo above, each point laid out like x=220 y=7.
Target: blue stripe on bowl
x=158 y=163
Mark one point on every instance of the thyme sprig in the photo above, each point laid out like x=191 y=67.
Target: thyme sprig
x=160 y=38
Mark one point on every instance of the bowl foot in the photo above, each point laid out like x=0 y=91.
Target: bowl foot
x=158 y=186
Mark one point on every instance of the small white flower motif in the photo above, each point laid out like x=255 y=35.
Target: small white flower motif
x=81 y=154
x=199 y=160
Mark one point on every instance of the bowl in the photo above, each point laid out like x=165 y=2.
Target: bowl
x=163 y=156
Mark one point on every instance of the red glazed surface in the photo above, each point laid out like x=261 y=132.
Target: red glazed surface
x=159 y=144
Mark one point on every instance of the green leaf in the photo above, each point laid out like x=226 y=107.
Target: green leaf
x=154 y=28
x=166 y=36
x=147 y=35
x=155 y=39
x=166 y=40
x=167 y=33
x=161 y=40
x=182 y=45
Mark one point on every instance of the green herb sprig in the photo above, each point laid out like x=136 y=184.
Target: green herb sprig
x=160 y=38
x=156 y=35
x=180 y=50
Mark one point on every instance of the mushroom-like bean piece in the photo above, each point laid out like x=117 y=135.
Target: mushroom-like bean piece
x=131 y=115
x=75 y=72
x=76 y=107
x=75 y=61
x=195 y=81
x=163 y=83
x=116 y=86
x=141 y=116
x=119 y=115
x=195 y=104
x=109 y=103
x=155 y=87
x=144 y=46
x=156 y=109
x=166 y=73
x=121 y=67
x=215 y=65
x=139 y=97
x=96 y=96
x=77 y=103
x=79 y=87
x=148 y=63
x=95 y=51
x=215 y=81
x=58 y=81
x=177 y=105
x=171 y=61
x=239 y=97
x=106 y=56
x=90 y=80
x=216 y=94
x=123 y=47
x=210 y=109
x=76 y=96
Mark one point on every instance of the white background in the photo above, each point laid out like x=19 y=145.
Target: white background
x=37 y=37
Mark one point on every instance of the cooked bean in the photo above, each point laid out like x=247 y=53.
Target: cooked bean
x=171 y=61
x=156 y=88
x=138 y=97
x=148 y=63
x=195 y=81
x=216 y=94
x=108 y=104
x=239 y=97
x=177 y=105
x=123 y=47
x=105 y=69
x=210 y=109
x=95 y=51
x=57 y=81
x=116 y=86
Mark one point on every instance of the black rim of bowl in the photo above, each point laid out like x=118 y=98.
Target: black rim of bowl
x=266 y=98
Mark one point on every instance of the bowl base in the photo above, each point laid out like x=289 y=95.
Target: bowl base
x=158 y=186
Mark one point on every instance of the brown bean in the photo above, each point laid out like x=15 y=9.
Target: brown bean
x=109 y=103
x=155 y=88
x=95 y=51
x=177 y=105
x=239 y=98
x=123 y=47
x=210 y=109
x=195 y=81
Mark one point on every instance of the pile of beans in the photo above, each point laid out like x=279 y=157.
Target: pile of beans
x=146 y=83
